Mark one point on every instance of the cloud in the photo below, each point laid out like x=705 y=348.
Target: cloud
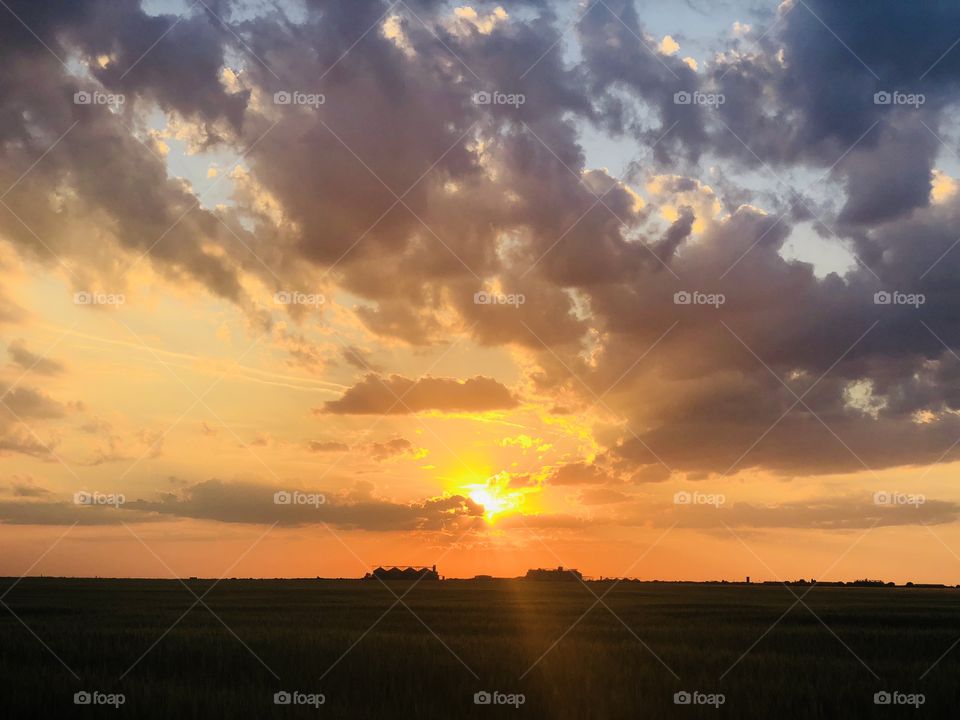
x=33 y=362
x=653 y=473
x=241 y=502
x=359 y=358
x=844 y=513
x=580 y=473
x=602 y=496
x=397 y=447
x=67 y=513
x=327 y=446
x=20 y=439
x=559 y=521
x=397 y=395
x=801 y=96
x=28 y=488
x=112 y=185
x=251 y=503
x=10 y=312
x=115 y=447
x=25 y=402
x=303 y=353
x=499 y=196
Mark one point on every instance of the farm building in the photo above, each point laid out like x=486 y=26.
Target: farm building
x=404 y=572
x=560 y=573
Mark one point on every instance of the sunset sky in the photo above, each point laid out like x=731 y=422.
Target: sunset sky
x=646 y=288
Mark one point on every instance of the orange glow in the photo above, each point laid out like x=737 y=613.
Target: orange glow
x=496 y=497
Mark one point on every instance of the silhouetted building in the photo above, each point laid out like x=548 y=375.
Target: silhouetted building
x=404 y=572
x=560 y=573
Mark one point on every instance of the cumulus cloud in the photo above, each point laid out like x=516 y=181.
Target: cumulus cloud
x=426 y=197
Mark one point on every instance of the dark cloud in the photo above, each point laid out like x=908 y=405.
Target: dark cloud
x=193 y=46
x=250 y=503
x=652 y=473
x=397 y=395
x=415 y=198
x=891 y=180
x=580 y=473
x=237 y=502
x=619 y=52
x=802 y=90
x=67 y=513
x=101 y=175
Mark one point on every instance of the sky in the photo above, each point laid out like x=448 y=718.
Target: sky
x=653 y=289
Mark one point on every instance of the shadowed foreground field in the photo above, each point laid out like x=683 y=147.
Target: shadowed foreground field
x=247 y=640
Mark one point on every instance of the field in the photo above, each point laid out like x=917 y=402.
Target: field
x=247 y=640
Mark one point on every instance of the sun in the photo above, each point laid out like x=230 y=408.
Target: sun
x=492 y=504
x=495 y=497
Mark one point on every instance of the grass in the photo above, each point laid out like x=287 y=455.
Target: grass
x=812 y=664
